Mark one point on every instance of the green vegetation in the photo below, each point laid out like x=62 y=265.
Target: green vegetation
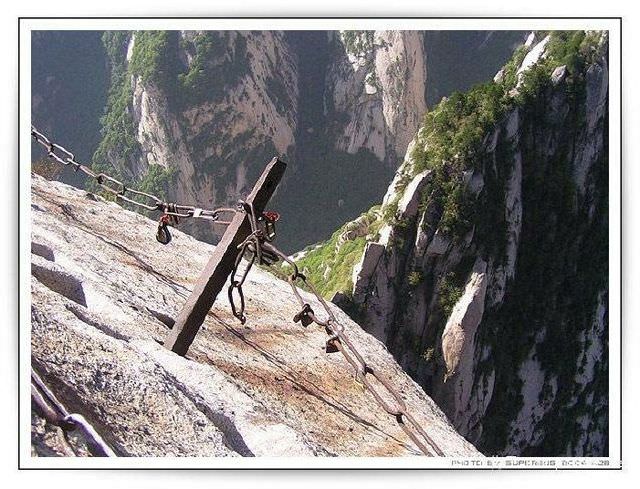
x=115 y=44
x=194 y=81
x=415 y=278
x=357 y=43
x=429 y=355
x=361 y=45
x=155 y=60
x=154 y=57
x=158 y=180
x=118 y=144
x=562 y=257
x=340 y=259
x=452 y=141
x=574 y=49
x=219 y=62
x=450 y=290
x=452 y=138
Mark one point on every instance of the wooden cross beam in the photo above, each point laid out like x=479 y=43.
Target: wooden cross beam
x=215 y=273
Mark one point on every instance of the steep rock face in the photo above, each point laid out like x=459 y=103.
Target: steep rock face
x=103 y=295
x=378 y=82
x=204 y=111
x=194 y=116
x=492 y=293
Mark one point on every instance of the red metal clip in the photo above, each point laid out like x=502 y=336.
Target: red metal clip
x=271 y=216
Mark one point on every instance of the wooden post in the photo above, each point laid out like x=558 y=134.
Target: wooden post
x=215 y=274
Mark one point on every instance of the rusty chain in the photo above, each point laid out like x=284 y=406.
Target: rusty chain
x=171 y=212
x=52 y=410
x=262 y=228
x=258 y=245
x=261 y=250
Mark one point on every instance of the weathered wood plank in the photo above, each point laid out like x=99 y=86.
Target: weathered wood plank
x=216 y=272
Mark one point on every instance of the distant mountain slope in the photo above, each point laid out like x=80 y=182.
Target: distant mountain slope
x=196 y=115
x=69 y=82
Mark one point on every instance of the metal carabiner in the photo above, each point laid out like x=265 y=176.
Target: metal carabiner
x=239 y=314
x=163 y=235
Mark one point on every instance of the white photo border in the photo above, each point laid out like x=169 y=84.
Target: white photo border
x=612 y=24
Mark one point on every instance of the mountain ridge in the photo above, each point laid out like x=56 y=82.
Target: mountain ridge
x=498 y=210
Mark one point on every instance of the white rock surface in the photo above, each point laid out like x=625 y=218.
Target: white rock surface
x=384 y=114
x=533 y=56
x=410 y=200
x=559 y=74
x=457 y=338
x=102 y=290
x=130 y=47
x=458 y=347
x=530 y=39
x=404 y=172
x=366 y=266
x=439 y=244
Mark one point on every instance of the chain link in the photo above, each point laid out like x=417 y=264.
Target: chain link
x=54 y=412
x=262 y=250
x=262 y=230
x=172 y=213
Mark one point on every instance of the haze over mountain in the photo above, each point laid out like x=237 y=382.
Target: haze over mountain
x=196 y=115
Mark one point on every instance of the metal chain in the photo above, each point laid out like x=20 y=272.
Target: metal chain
x=262 y=230
x=52 y=410
x=259 y=245
x=172 y=213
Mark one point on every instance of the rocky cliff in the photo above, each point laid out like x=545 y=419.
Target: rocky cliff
x=484 y=270
x=377 y=82
x=103 y=295
x=196 y=116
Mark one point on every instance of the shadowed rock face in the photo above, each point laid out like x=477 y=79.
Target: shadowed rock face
x=103 y=295
x=69 y=82
x=377 y=81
